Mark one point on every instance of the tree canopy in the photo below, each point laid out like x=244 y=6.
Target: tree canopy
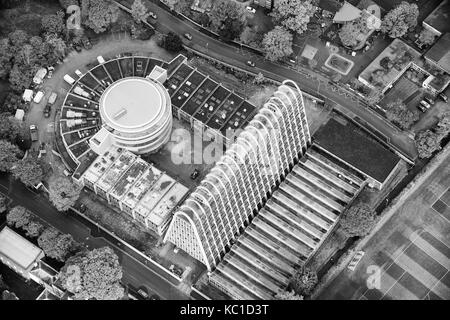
x=18 y=217
x=277 y=43
x=348 y=34
x=172 y=42
x=63 y=193
x=93 y=274
x=358 y=220
x=9 y=155
x=399 y=20
x=288 y=295
x=53 y=23
x=55 y=244
x=429 y=141
x=427 y=37
x=304 y=281
x=227 y=19
x=100 y=14
x=28 y=171
x=139 y=11
x=294 y=14
x=398 y=113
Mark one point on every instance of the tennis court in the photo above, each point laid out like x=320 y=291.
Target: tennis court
x=442 y=205
x=419 y=270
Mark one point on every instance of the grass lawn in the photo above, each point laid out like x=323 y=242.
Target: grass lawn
x=26 y=18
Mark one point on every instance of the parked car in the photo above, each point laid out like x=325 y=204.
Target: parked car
x=34 y=132
x=355 y=260
x=152 y=15
x=143 y=293
x=52 y=98
x=38 y=97
x=195 y=174
x=443 y=96
x=425 y=104
x=188 y=36
x=82 y=208
x=429 y=100
x=250 y=9
x=139 y=66
x=250 y=63
x=47 y=110
x=86 y=43
x=78 y=73
x=422 y=108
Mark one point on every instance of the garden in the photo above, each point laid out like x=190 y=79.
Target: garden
x=339 y=63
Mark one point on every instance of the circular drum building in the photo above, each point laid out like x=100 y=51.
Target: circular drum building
x=138 y=114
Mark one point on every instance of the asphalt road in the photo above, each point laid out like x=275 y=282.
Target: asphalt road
x=135 y=271
x=309 y=82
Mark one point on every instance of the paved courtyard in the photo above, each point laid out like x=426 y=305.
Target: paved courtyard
x=409 y=257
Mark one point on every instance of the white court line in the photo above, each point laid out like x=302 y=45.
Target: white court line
x=396 y=281
x=431 y=289
x=398 y=256
x=440 y=214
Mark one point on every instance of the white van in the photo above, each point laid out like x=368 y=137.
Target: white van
x=52 y=98
x=100 y=59
x=38 y=97
x=69 y=79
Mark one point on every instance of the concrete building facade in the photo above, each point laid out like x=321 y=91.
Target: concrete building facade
x=224 y=203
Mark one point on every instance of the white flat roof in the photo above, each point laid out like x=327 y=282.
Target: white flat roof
x=18 y=249
x=132 y=102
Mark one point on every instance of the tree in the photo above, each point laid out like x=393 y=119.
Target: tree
x=348 y=34
x=55 y=244
x=18 y=38
x=9 y=127
x=427 y=142
x=139 y=11
x=288 y=295
x=100 y=14
x=294 y=14
x=427 y=37
x=443 y=126
x=9 y=155
x=57 y=47
x=183 y=6
x=251 y=37
x=277 y=44
x=53 y=23
x=172 y=42
x=398 y=113
x=358 y=220
x=63 y=193
x=259 y=79
x=20 y=78
x=28 y=171
x=227 y=19
x=93 y=274
x=6 y=55
x=400 y=19
x=33 y=229
x=304 y=281
x=18 y=217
